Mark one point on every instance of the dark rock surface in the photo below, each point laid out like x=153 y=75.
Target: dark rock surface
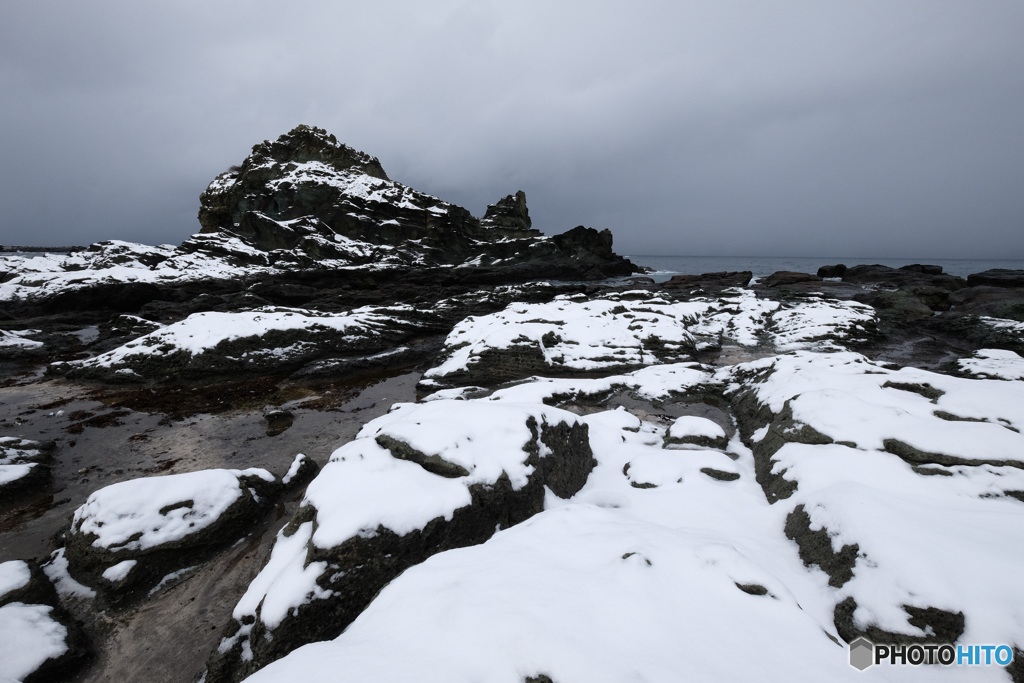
x=997 y=277
x=837 y=270
x=711 y=280
x=788 y=277
x=899 y=277
x=923 y=269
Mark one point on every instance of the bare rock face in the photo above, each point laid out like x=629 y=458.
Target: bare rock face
x=997 y=277
x=509 y=212
x=788 y=277
x=711 y=280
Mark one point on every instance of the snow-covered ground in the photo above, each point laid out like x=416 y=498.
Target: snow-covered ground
x=672 y=564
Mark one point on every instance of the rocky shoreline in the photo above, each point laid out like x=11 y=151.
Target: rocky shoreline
x=348 y=418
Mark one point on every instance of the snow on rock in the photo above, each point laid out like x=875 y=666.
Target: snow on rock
x=820 y=324
x=690 y=429
x=904 y=486
x=29 y=638
x=38 y=638
x=247 y=341
x=993 y=364
x=14 y=575
x=567 y=334
x=115 y=263
x=422 y=479
x=854 y=498
x=737 y=315
x=23 y=464
x=579 y=594
x=302 y=469
x=18 y=340
x=621 y=331
x=130 y=534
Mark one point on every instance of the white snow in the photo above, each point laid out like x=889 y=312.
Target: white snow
x=150 y=511
x=635 y=577
x=14 y=574
x=56 y=569
x=693 y=426
x=28 y=637
x=119 y=571
x=1004 y=324
x=201 y=332
x=993 y=363
x=293 y=469
x=10 y=473
x=285 y=582
x=587 y=335
x=814 y=323
x=16 y=458
x=640 y=328
x=578 y=594
x=18 y=339
x=951 y=542
x=173 y=576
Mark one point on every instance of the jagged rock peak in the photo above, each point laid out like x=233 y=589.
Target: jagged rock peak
x=509 y=212
x=305 y=143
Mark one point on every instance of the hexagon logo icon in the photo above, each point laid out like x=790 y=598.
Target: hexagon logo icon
x=862 y=653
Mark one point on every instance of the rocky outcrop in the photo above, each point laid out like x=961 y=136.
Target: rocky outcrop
x=902 y=277
x=24 y=467
x=509 y=212
x=305 y=203
x=51 y=644
x=788 y=277
x=131 y=537
x=307 y=198
x=997 y=277
x=837 y=270
x=711 y=280
x=418 y=481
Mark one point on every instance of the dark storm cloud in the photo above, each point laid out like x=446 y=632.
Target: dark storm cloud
x=864 y=128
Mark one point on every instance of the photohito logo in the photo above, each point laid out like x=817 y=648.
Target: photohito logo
x=864 y=653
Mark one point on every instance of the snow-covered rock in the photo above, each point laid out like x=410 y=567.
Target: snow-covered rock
x=248 y=342
x=38 y=640
x=24 y=465
x=993 y=363
x=623 y=331
x=580 y=593
x=129 y=535
x=420 y=480
x=905 y=486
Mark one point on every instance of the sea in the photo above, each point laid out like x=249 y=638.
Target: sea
x=761 y=266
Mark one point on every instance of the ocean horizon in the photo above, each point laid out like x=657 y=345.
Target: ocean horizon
x=762 y=266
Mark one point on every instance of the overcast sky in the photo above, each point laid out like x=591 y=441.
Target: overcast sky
x=806 y=128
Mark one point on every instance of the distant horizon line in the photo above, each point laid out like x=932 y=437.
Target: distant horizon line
x=918 y=259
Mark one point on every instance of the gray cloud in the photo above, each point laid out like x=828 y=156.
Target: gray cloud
x=864 y=128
